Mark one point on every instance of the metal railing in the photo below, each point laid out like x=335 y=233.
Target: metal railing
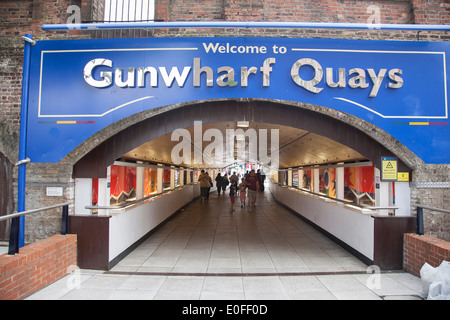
x=420 y=229
x=129 y=10
x=134 y=202
x=15 y=225
x=242 y=24
x=343 y=201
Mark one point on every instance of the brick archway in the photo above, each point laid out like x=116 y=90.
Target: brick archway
x=91 y=159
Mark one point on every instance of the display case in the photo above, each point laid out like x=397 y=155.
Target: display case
x=150 y=181
x=295 y=178
x=359 y=185
x=123 y=184
x=308 y=175
x=94 y=191
x=166 y=179
x=327 y=182
x=177 y=178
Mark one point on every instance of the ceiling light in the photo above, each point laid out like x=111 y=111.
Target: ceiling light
x=242 y=124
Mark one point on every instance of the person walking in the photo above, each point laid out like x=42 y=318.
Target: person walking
x=219 y=181
x=210 y=184
x=205 y=185
x=261 y=178
x=242 y=189
x=233 y=190
x=234 y=177
x=225 y=183
x=253 y=187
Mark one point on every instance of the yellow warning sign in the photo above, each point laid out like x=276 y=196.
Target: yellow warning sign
x=403 y=176
x=389 y=169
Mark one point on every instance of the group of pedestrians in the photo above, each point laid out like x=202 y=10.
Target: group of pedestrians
x=247 y=187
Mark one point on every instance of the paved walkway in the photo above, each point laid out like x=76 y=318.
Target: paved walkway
x=207 y=238
x=208 y=252
x=92 y=285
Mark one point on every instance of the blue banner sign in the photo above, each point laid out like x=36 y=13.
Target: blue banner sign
x=79 y=87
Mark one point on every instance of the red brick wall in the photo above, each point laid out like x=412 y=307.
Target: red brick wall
x=395 y=11
x=430 y=11
x=421 y=249
x=37 y=265
x=28 y=15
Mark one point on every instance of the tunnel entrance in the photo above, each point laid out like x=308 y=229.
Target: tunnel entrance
x=335 y=135
x=140 y=149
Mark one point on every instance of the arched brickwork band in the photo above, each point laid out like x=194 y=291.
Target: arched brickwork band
x=91 y=159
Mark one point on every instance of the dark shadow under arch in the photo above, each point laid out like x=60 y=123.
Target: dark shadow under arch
x=94 y=163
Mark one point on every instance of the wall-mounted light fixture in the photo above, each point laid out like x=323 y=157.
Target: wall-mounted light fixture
x=242 y=124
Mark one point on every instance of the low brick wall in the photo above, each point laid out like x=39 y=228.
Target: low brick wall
x=37 y=265
x=420 y=249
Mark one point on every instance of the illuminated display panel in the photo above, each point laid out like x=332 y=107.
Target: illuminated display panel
x=166 y=179
x=308 y=175
x=150 y=181
x=327 y=182
x=123 y=184
x=360 y=185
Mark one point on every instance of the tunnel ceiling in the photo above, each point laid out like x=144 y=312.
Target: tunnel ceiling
x=306 y=137
x=296 y=147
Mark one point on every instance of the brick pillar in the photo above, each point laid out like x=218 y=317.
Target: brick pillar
x=419 y=250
